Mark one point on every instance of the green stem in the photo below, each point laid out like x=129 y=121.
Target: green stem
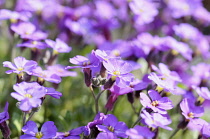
x=30 y=116
x=138 y=120
x=174 y=133
x=94 y=97
x=97 y=99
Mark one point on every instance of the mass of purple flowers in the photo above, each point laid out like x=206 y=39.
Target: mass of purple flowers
x=154 y=52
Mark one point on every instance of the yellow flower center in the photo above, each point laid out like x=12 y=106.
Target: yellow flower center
x=174 y=52
x=39 y=135
x=55 y=52
x=116 y=73
x=111 y=128
x=191 y=115
x=34 y=42
x=28 y=95
x=116 y=52
x=20 y=69
x=66 y=134
x=159 y=89
x=12 y=20
x=155 y=103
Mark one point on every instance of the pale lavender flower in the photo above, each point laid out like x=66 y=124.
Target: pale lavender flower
x=13 y=16
x=48 y=130
x=27 y=94
x=106 y=135
x=145 y=11
x=53 y=93
x=156 y=120
x=61 y=71
x=4 y=115
x=20 y=65
x=140 y=132
x=189 y=110
x=3 y=124
x=46 y=75
x=156 y=103
x=33 y=44
x=203 y=92
x=58 y=46
x=27 y=30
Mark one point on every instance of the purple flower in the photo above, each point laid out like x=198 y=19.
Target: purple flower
x=111 y=125
x=13 y=16
x=61 y=71
x=53 y=93
x=98 y=120
x=48 y=130
x=145 y=11
x=119 y=70
x=106 y=135
x=20 y=65
x=27 y=94
x=28 y=31
x=72 y=134
x=58 y=46
x=140 y=132
x=165 y=73
x=84 y=62
x=156 y=120
x=46 y=75
x=206 y=130
x=186 y=31
x=203 y=92
x=3 y=124
x=33 y=44
x=157 y=103
x=4 y=115
x=189 y=110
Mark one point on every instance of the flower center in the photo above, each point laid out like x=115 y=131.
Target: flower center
x=191 y=115
x=116 y=73
x=39 y=135
x=111 y=128
x=159 y=89
x=34 y=42
x=66 y=134
x=86 y=63
x=154 y=103
x=20 y=69
x=116 y=52
x=28 y=95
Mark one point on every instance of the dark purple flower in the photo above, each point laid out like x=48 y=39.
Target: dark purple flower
x=48 y=130
x=98 y=120
x=20 y=65
x=156 y=103
x=58 y=46
x=156 y=120
x=72 y=134
x=140 y=132
x=189 y=110
x=4 y=115
x=27 y=94
x=3 y=124
x=111 y=125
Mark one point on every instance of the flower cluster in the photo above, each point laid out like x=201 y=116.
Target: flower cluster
x=154 y=52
